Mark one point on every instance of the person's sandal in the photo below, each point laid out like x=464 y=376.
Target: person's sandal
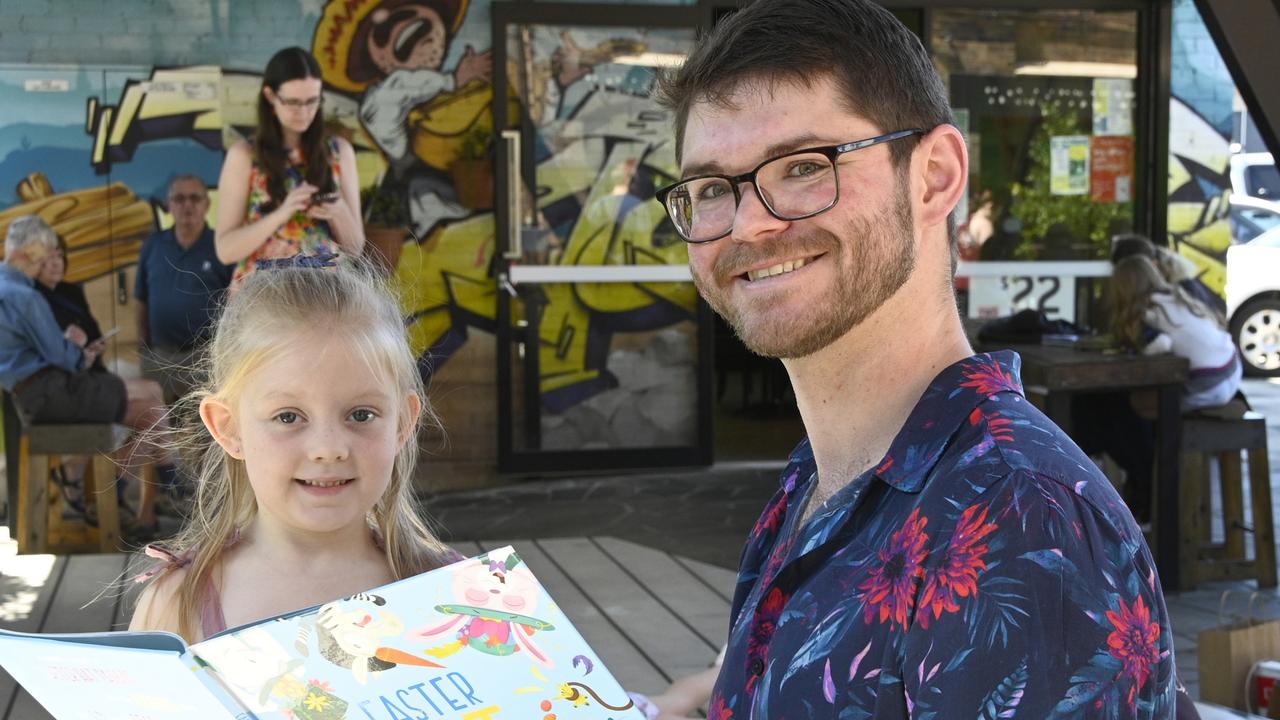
x=72 y=491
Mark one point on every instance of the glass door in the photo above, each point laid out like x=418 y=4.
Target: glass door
x=603 y=345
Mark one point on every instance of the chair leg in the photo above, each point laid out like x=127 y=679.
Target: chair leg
x=1264 y=538
x=104 y=495
x=1229 y=474
x=1190 y=532
x=33 y=500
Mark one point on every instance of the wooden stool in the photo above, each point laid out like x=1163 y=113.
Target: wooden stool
x=1205 y=439
x=28 y=449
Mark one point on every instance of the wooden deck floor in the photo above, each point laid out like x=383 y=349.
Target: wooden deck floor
x=650 y=616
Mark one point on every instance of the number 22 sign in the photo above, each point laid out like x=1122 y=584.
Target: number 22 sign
x=996 y=296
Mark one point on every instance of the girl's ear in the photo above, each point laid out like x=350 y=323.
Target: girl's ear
x=269 y=94
x=409 y=417
x=220 y=421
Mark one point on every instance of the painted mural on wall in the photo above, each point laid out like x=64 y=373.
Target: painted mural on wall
x=602 y=146
x=411 y=83
x=1200 y=117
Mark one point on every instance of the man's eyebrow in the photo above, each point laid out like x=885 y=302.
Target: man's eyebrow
x=782 y=147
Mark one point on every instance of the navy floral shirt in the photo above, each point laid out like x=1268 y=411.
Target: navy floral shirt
x=984 y=569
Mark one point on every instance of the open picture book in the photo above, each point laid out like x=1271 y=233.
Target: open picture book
x=476 y=640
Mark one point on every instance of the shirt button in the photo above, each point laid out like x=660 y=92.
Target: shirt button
x=757 y=666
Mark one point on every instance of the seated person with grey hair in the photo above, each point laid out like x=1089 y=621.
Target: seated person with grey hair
x=49 y=371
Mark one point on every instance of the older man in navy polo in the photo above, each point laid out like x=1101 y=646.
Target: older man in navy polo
x=179 y=288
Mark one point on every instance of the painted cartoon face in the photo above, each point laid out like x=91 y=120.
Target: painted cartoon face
x=515 y=591
x=407 y=38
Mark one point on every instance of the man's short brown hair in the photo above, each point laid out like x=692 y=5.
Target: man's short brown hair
x=880 y=66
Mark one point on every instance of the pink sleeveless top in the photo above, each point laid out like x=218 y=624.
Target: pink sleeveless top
x=212 y=619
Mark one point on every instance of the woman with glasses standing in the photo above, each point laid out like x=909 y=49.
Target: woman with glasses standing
x=294 y=189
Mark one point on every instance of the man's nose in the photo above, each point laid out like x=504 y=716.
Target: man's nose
x=752 y=220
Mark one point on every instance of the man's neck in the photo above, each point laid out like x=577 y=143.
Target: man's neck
x=855 y=394
x=187 y=235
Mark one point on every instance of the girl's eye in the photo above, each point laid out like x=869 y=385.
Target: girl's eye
x=363 y=415
x=287 y=417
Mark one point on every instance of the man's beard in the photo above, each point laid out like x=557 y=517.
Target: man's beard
x=876 y=258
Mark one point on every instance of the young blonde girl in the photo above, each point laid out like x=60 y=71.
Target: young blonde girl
x=310 y=411
x=1153 y=315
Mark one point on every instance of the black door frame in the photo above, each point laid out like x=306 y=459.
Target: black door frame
x=510 y=460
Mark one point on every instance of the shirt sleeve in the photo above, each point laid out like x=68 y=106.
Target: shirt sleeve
x=1041 y=604
x=48 y=340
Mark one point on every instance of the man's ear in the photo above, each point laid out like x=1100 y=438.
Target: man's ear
x=942 y=163
x=409 y=417
x=220 y=421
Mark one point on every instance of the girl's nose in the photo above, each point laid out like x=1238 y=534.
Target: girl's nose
x=329 y=444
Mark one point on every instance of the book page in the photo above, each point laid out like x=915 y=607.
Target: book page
x=476 y=640
x=76 y=681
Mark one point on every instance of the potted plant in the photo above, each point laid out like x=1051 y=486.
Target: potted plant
x=472 y=171
x=386 y=222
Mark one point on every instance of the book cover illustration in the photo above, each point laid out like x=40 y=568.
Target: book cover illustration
x=476 y=640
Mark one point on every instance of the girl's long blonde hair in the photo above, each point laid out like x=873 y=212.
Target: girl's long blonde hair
x=269 y=311
x=1133 y=281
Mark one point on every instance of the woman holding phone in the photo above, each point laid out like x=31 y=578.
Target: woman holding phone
x=294 y=189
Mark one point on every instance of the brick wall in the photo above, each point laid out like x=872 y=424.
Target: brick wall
x=238 y=34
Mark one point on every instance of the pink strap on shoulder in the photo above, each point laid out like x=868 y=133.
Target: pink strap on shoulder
x=168 y=561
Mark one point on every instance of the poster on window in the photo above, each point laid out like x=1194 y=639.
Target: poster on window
x=1112 y=106
x=1111 y=169
x=1069 y=165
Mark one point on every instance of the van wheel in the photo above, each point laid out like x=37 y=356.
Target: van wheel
x=1256 y=331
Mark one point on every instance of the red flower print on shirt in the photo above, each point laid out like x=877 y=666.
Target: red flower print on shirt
x=989 y=378
x=890 y=584
x=957 y=574
x=1133 y=642
x=717 y=710
x=762 y=627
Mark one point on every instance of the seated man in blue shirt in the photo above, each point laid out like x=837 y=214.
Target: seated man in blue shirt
x=938 y=548
x=179 y=289
x=51 y=375
x=46 y=370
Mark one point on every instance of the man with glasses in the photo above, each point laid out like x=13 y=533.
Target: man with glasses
x=179 y=287
x=938 y=548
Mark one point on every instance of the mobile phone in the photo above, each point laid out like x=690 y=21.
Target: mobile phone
x=322 y=197
x=110 y=334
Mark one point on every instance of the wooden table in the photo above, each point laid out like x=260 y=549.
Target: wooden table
x=1058 y=373
x=651 y=616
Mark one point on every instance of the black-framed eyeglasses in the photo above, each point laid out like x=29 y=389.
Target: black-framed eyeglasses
x=296 y=104
x=793 y=186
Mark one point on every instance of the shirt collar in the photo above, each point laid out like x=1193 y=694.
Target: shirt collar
x=949 y=401
x=14 y=273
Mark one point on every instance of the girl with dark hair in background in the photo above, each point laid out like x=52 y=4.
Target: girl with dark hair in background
x=294 y=189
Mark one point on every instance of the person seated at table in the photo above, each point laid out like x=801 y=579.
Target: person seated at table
x=1174 y=268
x=1153 y=315
x=143 y=398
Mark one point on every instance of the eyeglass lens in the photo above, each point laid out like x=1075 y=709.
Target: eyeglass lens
x=296 y=104
x=793 y=186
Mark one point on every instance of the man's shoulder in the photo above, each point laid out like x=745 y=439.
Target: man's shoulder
x=1009 y=440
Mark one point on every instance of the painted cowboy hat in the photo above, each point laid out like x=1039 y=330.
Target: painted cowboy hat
x=341 y=42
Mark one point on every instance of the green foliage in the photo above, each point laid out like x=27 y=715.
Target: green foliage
x=1039 y=210
x=385 y=204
